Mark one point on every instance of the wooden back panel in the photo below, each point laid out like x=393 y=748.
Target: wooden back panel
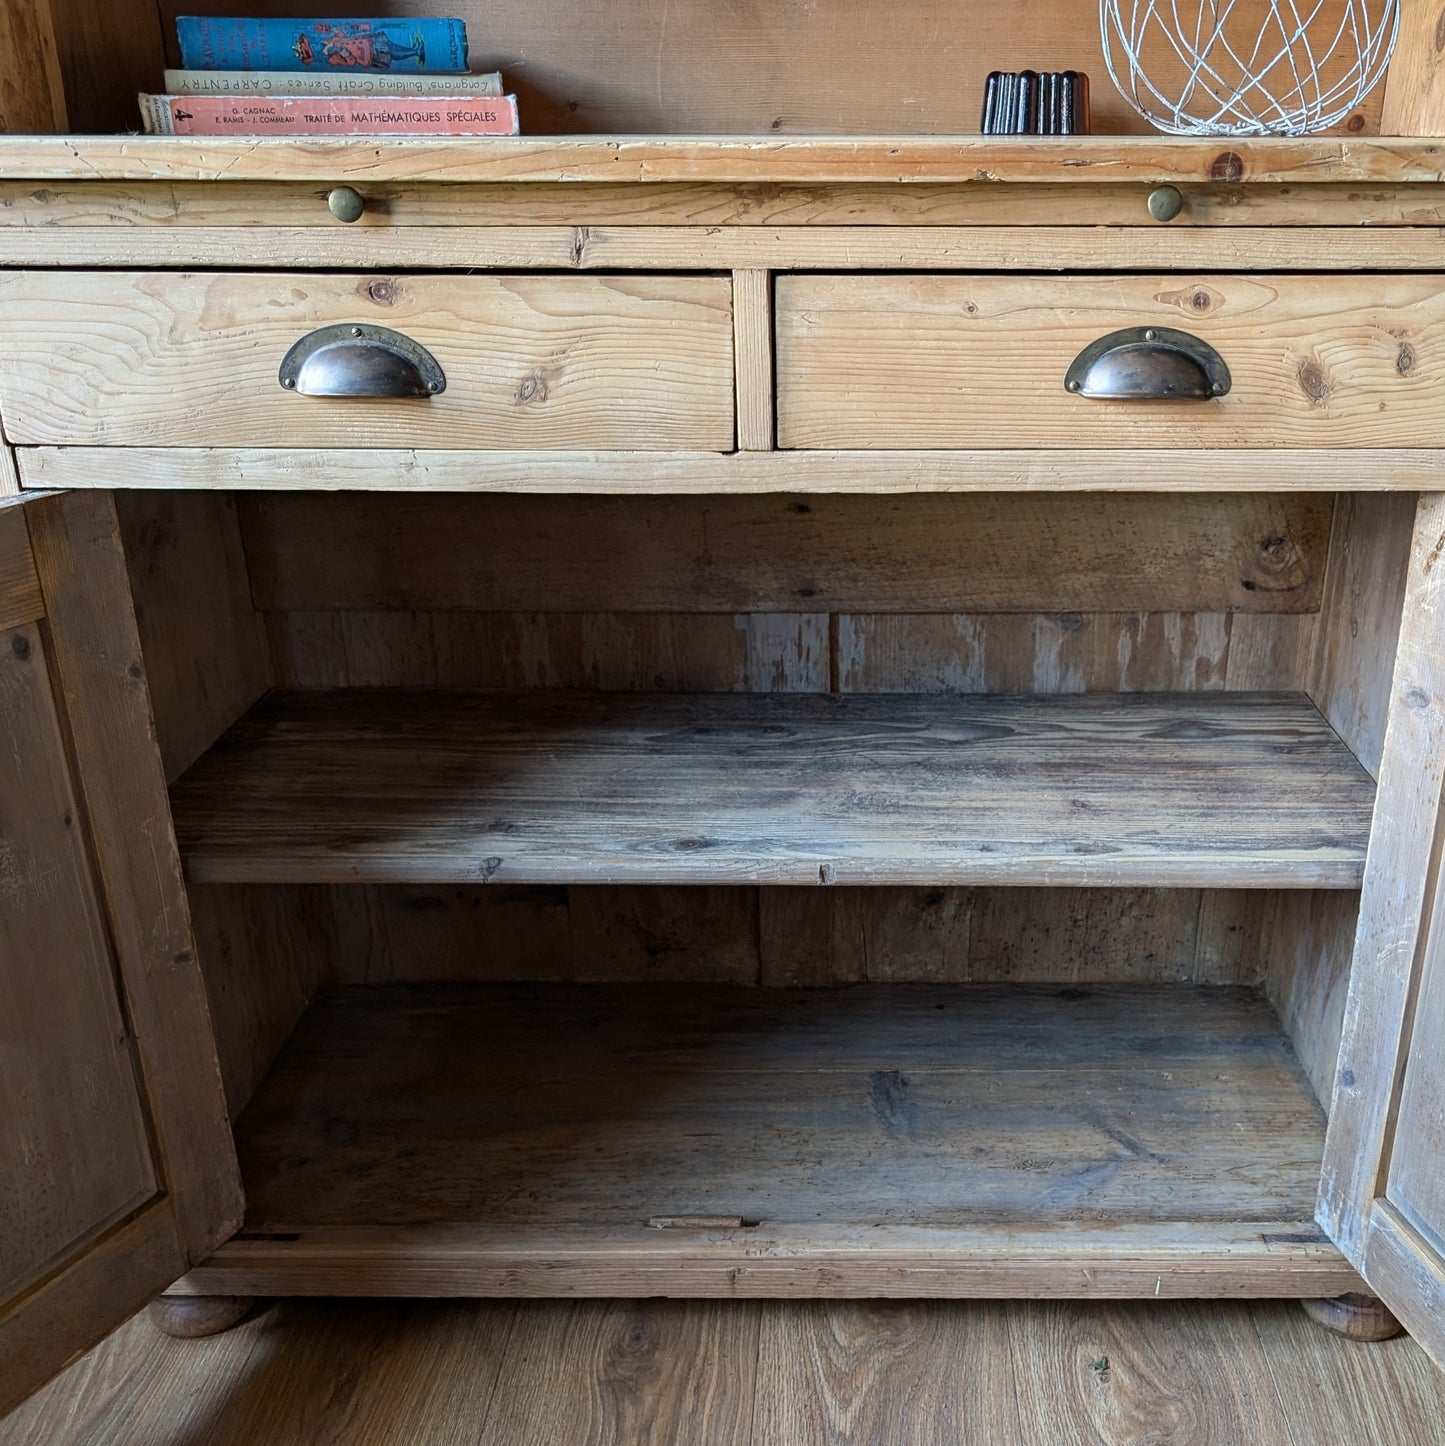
x=835 y=67
x=915 y=553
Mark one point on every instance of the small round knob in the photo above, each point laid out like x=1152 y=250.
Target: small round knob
x=346 y=204
x=1165 y=203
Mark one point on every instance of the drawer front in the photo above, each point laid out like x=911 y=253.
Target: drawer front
x=128 y=359
x=980 y=361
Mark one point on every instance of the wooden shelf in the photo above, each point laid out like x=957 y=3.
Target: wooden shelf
x=1201 y=789
x=894 y=1139
x=810 y=160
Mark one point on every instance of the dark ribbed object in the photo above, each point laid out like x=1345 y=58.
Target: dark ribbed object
x=1036 y=103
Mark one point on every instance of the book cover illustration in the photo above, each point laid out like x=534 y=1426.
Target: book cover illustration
x=401 y=46
x=328 y=115
x=339 y=82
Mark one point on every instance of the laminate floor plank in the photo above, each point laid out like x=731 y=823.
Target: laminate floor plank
x=698 y=1373
x=1200 y=789
x=619 y=1373
x=1105 y=1374
x=859 y=1373
x=1391 y=1394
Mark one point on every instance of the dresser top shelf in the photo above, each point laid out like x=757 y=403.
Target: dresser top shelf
x=734 y=160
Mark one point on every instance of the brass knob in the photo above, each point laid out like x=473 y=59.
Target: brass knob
x=346 y=204
x=1165 y=203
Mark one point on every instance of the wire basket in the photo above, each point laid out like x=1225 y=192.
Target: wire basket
x=1247 y=67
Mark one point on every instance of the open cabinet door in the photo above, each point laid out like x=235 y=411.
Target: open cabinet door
x=1383 y=1193
x=117 y=1167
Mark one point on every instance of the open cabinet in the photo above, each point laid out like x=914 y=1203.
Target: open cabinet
x=993 y=950
x=757 y=786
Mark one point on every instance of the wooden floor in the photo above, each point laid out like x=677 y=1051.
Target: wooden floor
x=1216 y=790
x=756 y=1373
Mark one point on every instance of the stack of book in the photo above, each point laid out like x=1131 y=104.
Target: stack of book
x=245 y=77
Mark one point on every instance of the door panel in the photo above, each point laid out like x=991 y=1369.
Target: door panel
x=1415 y=1182
x=1383 y=1191
x=117 y=1171
x=74 y=1156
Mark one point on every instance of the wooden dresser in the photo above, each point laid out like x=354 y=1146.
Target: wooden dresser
x=732 y=718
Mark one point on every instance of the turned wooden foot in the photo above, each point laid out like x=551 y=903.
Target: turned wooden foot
x=190 y=1316
x=1357 y=1317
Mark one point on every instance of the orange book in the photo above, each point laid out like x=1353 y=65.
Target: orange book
x=329 y=115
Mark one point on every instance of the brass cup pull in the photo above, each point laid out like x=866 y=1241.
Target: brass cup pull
x=1149 y=364
x=360 y=361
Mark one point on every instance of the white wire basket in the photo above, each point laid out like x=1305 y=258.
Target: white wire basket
x=1247 y=67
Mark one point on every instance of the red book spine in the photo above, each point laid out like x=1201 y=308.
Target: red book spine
x=323 y=115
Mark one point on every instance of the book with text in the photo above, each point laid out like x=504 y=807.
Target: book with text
x=240 y=43
x=265 y=115
x=341 y=82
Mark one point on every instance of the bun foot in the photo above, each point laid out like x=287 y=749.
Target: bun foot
x=191 y=1316
x=1357 y=1317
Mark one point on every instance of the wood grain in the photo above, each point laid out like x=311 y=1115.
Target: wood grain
x=65 y=1314
x=109 y=50
x=1324 y=1381
x=958 y=361
x=1160 y=789
x=878 y=471
x=531 y=361
x=75 y=1155
x=612 y=651
x=801 y=1110
x=1414 y=99
x=1415 y=1184
x=203 y=643
x=9 y=472
x=1401 y=879
x=753 y=350
x=1306 y=940
x=101 y=678
x=778 y=936
x=20 y=599
x=1103 y=1372
x=32 y=92
x=375 y=1372
x=1081 y=160
x=263 y=952
x=211 y=204
x=1359 y=623
x=680 y=248
x=842 y=67
x=835 y=1372
x=653 y=1370
x=924 y=554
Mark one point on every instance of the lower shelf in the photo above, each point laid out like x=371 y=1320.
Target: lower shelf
x=912 y=1140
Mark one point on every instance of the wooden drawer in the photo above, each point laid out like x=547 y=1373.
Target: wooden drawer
x=970 y=361
x=174 y=359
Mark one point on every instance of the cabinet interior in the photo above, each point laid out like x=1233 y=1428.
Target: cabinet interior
x=594 y=1080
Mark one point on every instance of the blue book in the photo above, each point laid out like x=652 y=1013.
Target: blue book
x=401 y=47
